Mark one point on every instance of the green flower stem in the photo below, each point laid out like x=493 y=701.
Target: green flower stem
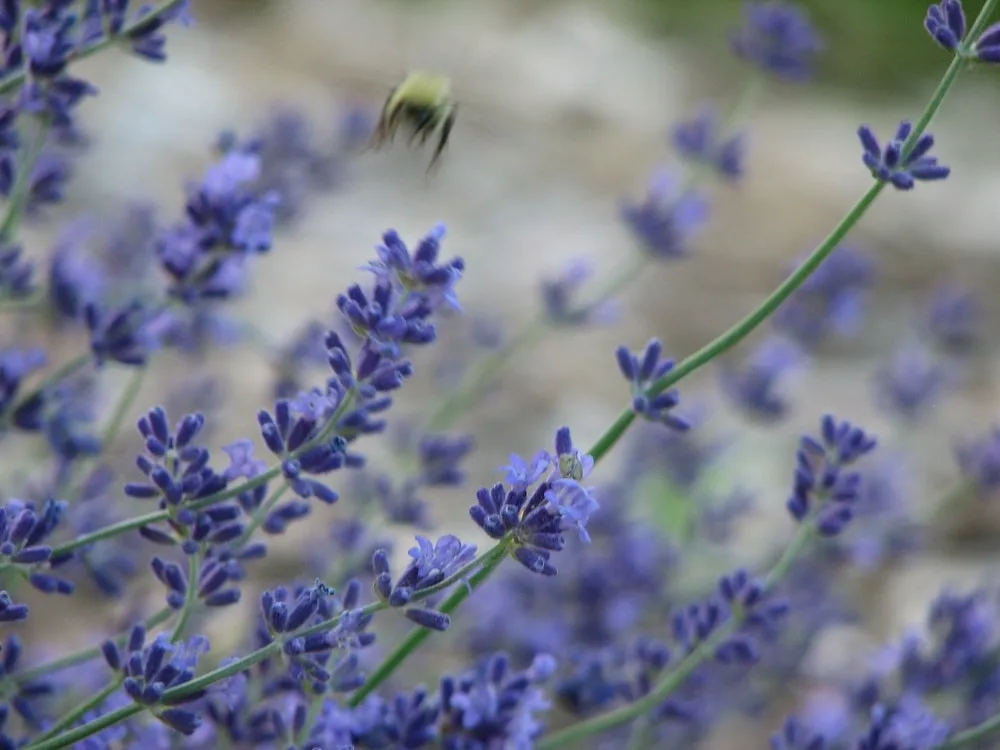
x=66 y=370
x=21 y=305
x=14 y=80
x=490 y=561
x=22 y=182
x=743 y=328
x=973 y=735
x=674 y=678
x=84 y=655
x=190 y=599
x=80 y=710
x=111 y=430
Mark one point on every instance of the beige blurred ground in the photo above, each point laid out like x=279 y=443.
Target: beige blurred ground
x=564 y=114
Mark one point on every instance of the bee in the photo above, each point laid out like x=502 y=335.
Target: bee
x=423 y=104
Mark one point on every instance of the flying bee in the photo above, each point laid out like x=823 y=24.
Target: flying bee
x=422 y=103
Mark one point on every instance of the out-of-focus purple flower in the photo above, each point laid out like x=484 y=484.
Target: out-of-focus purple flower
x=440 y=458
x=753 y=387
x=644 y=370
x=703 y=142
x=979 y=461
x=17 y=274
x=493 y=701
x=778 y=38
x=911 y=383
x=118 y=335
x=894 y=164
x=987 y=47
x=823 y=492
x=668 y=219
x=75 y=279
x=954 y=320
x=563 y=309
x=945 y=22
x=831 y=301
x=205 y=255
x=909 y=724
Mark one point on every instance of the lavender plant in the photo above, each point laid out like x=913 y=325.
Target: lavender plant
x=580 y=621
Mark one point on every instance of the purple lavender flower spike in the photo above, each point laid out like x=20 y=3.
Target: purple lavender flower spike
x=536 y=522
x=778 y=38
x=642 y=370
x=954 y=320
x=896 y=166
x=822 y=489
x=945 y=22
x=979 y=461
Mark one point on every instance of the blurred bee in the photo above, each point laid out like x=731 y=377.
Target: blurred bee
x=422 y=103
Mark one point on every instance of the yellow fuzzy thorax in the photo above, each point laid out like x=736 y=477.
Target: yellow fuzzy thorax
x=423 y=89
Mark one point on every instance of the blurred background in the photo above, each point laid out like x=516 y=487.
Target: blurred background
x=565 y=110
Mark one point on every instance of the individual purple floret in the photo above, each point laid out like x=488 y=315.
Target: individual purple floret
x=823 y=491
x=668 y=218
x=431 y=564
x=911 y=383
x=335 y=624
x=150 y=671
x=945 y=22
x=702 y=142
x=177 y=469
x=899 y=163
x=559 y=297
x=537 y=522
x=643 y=371
x=11 y=611
x=754 y=387
x=831 y=301
x=979 y=461
x=778 y=38
x=954 y=320
x=987 y=46
x=493 y=705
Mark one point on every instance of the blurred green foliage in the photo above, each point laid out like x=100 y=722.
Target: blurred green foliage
x=872 y=46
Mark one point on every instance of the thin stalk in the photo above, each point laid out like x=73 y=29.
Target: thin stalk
x=190 y=599
x=81 y=709
x=22 y=182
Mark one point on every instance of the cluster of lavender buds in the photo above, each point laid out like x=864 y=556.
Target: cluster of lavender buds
x=211 y=580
